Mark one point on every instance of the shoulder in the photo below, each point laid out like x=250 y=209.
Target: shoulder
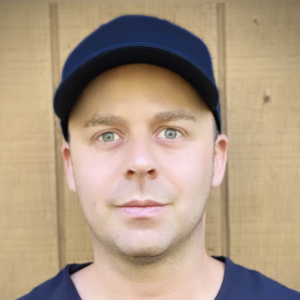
x=58 y=287
x=242 y=283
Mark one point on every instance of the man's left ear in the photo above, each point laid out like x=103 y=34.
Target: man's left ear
x=220 y=159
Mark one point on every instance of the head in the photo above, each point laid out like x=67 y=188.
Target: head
x=140 y=133
x=143 y=151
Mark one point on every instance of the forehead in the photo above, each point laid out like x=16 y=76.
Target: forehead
x=135 y=85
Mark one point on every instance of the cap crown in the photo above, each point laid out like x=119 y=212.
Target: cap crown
x=137 y=39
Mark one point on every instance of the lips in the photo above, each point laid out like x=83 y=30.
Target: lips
x=141 y=203
x=142 y=209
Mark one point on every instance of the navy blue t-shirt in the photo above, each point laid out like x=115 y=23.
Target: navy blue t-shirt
x=239 y=283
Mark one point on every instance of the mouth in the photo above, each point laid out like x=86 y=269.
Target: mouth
x=142 y=203
x=142 y=209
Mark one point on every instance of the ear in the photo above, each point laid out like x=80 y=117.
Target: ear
x=66 y=152
x=220 y=159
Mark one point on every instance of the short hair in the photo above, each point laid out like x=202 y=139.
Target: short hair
x=215 y=130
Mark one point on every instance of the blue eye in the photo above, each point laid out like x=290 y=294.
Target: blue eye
x=170 y=133
x=109 y=137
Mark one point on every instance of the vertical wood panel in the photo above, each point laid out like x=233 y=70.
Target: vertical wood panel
x=59 y=166
x=221 y=24
x=76 y=21
x=263 y=76
x=28 y=231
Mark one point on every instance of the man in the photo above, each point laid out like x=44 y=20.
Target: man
x=140 y=113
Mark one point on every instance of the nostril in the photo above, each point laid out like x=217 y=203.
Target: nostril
x=152 y=172
x=130 y=172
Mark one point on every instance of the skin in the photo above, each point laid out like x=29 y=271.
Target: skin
x=163 y=256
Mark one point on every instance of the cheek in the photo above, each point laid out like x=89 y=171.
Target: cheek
x=189 y=169
x=94 y=175
x=190 y=172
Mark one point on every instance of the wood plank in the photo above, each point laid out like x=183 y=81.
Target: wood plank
x=28 y=225
x=59 y=165
x=263 y=120
x=76 y=21
x=222 y=94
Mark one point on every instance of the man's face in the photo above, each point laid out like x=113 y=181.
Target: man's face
x=141 y=135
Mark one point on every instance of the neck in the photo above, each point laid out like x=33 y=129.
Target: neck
x=184 y=273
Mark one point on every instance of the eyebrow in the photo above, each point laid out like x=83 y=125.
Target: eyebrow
x=174 y=116
x=166 y=116
x=103 y=120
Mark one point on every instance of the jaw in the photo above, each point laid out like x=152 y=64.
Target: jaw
x=150 y=249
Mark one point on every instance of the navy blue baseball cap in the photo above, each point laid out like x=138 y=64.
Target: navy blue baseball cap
x=137 y=39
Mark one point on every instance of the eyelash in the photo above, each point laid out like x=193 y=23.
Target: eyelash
x=102 y=134
x=174 y=129
x=168 y=128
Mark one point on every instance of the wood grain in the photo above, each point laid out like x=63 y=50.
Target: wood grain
x=221 y=27
x=263 y=121
x=76 y=21
x=28 y=225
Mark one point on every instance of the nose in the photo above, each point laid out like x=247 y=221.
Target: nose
x=141 y=161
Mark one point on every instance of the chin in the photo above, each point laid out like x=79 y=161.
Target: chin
x=143 y=251
x=145 y=260
x=144 y=256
